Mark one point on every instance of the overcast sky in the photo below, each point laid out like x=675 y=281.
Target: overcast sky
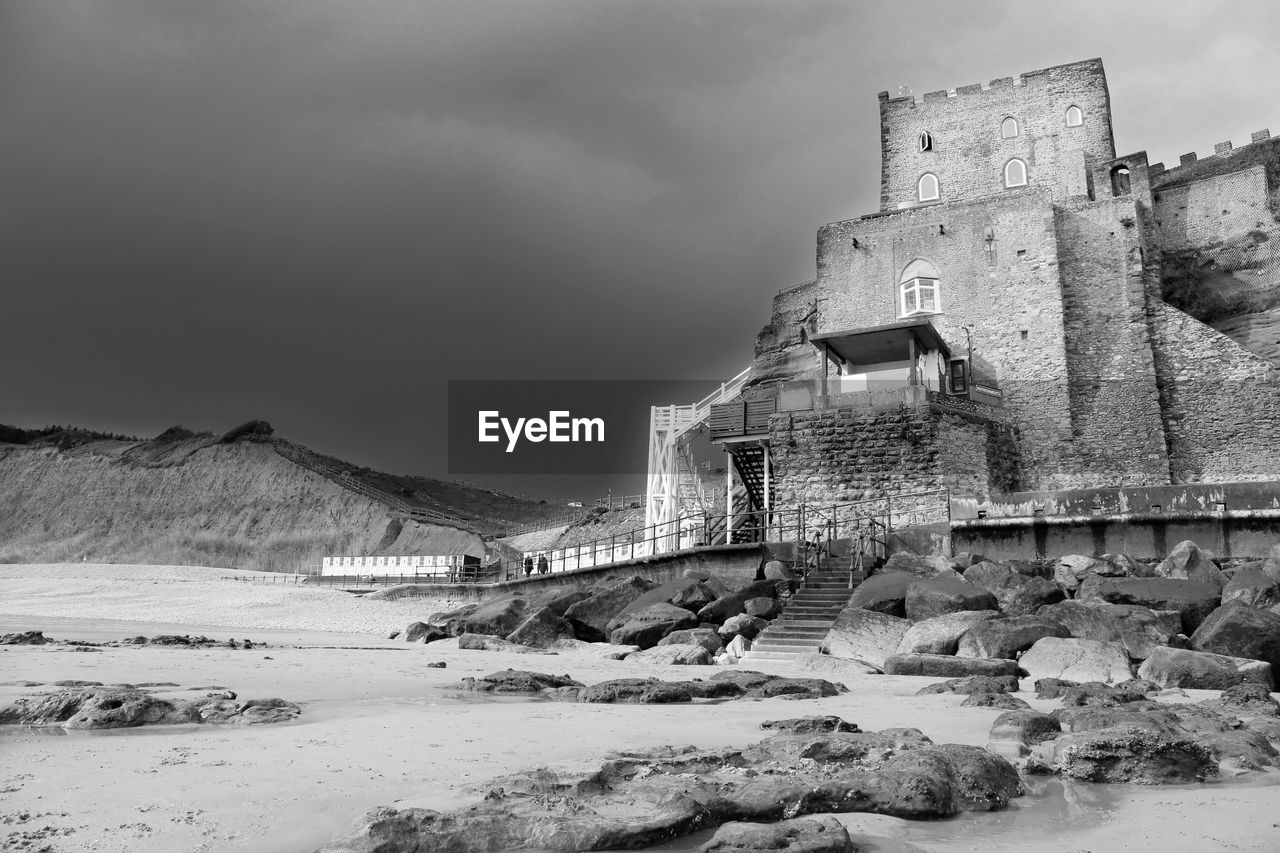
x=318 y=212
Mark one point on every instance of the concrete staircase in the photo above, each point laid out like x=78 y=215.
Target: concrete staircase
x=808 y=616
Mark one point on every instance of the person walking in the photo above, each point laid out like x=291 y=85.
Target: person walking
x=528 y=566
x=543 y=565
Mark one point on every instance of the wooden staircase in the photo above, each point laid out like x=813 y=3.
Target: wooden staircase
x=808 y=616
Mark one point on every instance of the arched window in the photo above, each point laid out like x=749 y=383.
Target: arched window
x=1009 y=128
x=1075 y=117
x=926 y=141
x=918 y=289
x=927 y=188
x=1015 y=173
x=1120 y=181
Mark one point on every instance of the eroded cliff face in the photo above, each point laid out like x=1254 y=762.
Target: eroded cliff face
x=193 y=502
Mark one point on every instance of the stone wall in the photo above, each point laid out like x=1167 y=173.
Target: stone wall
x=1221 y=403
x=969 y=153
x=1117 y=432
x=840 y=455
x=1215 y=210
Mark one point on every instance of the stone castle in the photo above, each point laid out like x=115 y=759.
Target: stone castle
x=1000 y=324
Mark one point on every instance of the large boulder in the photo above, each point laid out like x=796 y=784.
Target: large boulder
x=1188 y=562
x=543 y=627
x=884 y=593
x=693 y=597
x=450 y=623
x=1202 y=670
x=923 y=567
x=1139 y=629
x=947 y=666
x=1253 y=587
x=1072 y=569
x=490 y=643
x=1194 y=601
x=764 y=607
x=498 y=617
x=941 y=634
x=708 y=638
x=1077 y=660
x=421 y=632
x=733 y=603
x=684 y=589
x=742 y=625
x=1132 y=754
x=590 y=616
x=1017 y=594
x=1240 y=631
x=821 y=834
x=560 y=604
x=519 y=681
x=675 y=654
x=865 y=635
x=1006 y=638
x=939 y=595
x=644 y=628
x=99 y=708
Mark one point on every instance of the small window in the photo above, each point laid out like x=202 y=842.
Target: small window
x=1075 y=117
x=1120 y=181
x=1009 y=128
x=1015 y=173
x=927 y=188
x=958 y=376
x=920 y=296
x=926 y=141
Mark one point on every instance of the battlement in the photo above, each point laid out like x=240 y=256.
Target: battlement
x=1191 y=166
x=1087 y=66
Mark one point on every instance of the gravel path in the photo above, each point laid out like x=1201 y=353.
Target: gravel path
x=147 y=594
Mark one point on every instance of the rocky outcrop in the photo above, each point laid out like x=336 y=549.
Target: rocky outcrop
x=638 y=799
x=973 y=684
x=1201 y=670
x=722 y=685
x=1132 y=754
x=865 y=635
x=518 y=681
x=1238 y=630
x=708 y=638
x=590 y=616
x=542 y=628
x=117 y=708
x=644 y=628
x=1253 y=587
x=498 y=616
x=490 y=643
x=921 y=567
x=734 y=603
x=743 y=625
x=941 y=634
x=1193 y=601
x=1077 y=660
x=675 y=654
x=823 y=834
x=884 y=592
x=1188 y=562
x=1018 y=594
x=939 y=595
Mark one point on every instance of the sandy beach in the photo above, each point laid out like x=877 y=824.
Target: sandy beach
x=380 y=727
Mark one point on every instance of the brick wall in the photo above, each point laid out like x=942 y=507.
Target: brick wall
x=969 y=154
x=1117 y=433
x=1221 y=402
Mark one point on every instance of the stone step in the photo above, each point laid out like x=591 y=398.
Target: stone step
x=797 y=630
x=802 y=623
x=765 y=645
x=753 y=655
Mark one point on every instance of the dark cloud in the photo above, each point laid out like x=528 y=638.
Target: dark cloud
x=318 y=212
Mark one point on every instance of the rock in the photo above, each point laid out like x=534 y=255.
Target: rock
x=1194 y=601
x=489 y=643
x=936 y=596
x=1132 y=754
x=941 y=634
x=498 y=616
x=809 y=725
x=560 y=604
x=688 y=654
x=829 y=665
x=708 y=638
x=994 y=700
x=395 y=634
x=964 y=560
x=543 y=627
x=884 y=593
x=738 y=647
x=1139 y=629
x=24 y=638
x=694 y=597
x=974 y=684
x=451 y=623
x=518 y=681
x=865 y=635
x=1053 y=688
x=252 y=712
x=639 y=691
x=1247 y=699
x=1077 y=660
x=1202 y=670
x=914 y=564
x=644 y=628
x=1097 y=694
x=1240 y=631
x=590 y=616
x=98 y=708
x=680 y=588
x=607 y=651
x=945 y=666
x=1006 y=638
x=1017 y=592
x=640 y=799
x=822 y=834
x=1025 y=726
x=733 y=603
x=1271 y=562
x=1253 y=587
x=1070 y=570
x=765 y=607
x=1187 y=562
x=744 y=625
